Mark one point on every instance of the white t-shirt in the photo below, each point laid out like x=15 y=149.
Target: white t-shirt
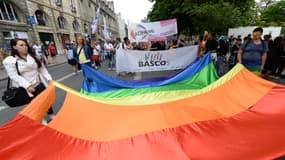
x=108 y=46
x=38 y=50
x=69 y=53
x=119 y=46
x=129 y=46
x=96 y=50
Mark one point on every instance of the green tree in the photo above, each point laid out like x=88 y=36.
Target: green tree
x=198 y=15
x=273 y=15
x=267 y=3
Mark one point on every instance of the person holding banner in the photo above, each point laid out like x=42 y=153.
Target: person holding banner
x=118 y=44
x=181 y=42
x=127 y=44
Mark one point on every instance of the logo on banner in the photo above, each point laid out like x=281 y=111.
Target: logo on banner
x=153 y=60
x=143 y=32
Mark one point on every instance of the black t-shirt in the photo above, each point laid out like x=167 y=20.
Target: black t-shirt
x=211 y=45
x=157 y=46
x=182 y=43
x=235 y=49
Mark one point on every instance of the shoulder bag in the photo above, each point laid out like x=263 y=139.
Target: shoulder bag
x=15 y=96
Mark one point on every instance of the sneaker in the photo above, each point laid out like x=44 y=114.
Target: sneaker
x=276 y=77
x=113 y=68
x=109 y=69
x=271 y=76
x=44 y=122
x=51 y=116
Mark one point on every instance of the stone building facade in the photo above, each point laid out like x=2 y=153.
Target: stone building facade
x=13 y=23
x=123 y=29
x=54 y=20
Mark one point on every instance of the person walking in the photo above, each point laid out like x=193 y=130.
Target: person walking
x=26 y=70
x=38 y=51
x=68 y=52
x=96 y=53
x=52 y=52
x=82 y=53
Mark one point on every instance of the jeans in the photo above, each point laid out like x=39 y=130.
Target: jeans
x=221 y=66
x=111 y=60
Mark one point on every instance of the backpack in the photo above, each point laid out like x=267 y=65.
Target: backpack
x=262 y=43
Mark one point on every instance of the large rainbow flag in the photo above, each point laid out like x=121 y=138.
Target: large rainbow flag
x=95 y=81
x=239 y=118
x=195 y=76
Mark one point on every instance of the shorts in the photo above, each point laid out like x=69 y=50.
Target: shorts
x=71 y=62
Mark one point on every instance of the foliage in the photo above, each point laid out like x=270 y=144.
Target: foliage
x=273 y=15
x=196 y=16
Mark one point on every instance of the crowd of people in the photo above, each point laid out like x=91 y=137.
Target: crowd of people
x=260 y=54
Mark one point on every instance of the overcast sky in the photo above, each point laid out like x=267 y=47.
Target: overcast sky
x=132 y=10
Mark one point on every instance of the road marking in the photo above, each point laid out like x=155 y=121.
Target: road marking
x=2 y=108
x=67 y=76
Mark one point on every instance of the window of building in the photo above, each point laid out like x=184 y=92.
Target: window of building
x=40 y=17
x=59 y=2
x=75 y=26
x=61 y=22
x=7 y=11
x=89 y=3
x=72 y=5
x=7 y=35
x=85 y=28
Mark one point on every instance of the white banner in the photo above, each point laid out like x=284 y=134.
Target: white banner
x=144 y=32
x=95 y=21
x=145 y=61
x=106 y=32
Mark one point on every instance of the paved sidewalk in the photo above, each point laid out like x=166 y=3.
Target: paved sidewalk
x=60 y=59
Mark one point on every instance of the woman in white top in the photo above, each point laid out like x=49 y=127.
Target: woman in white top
x=96 y=54
x=31 y=71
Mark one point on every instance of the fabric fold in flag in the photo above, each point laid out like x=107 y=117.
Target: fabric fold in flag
x=206 y=76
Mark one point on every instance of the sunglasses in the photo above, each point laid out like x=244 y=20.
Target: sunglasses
x=256 y=33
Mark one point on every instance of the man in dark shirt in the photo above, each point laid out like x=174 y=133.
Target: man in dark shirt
x=157 y=46
x=212 y=43
x=252 y=54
